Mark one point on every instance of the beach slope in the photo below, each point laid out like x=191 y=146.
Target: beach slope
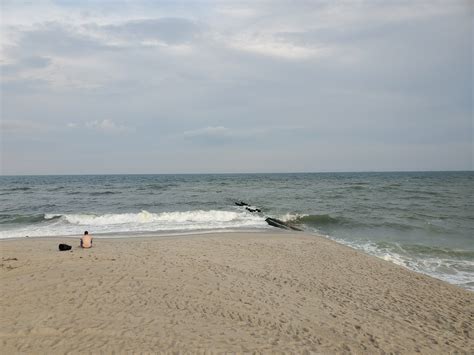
x=222 y=292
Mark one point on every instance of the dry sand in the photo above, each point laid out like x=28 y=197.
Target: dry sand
x=235 y=292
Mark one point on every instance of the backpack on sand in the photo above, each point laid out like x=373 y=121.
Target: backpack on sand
x=64 y=247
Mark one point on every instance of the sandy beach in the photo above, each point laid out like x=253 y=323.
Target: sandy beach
x=238 y=292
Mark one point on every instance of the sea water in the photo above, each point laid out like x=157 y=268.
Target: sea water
x=421 y=220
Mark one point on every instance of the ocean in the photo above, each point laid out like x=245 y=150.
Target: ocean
x=421 y=220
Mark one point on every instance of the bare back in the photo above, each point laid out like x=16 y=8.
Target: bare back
x=86 y=241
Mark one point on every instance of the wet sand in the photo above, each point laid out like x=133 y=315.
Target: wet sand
x=233 y=292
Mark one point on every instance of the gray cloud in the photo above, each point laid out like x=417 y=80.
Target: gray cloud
x=209 y=132
x=18 y=86
x=106 y=125
x=58 y=39
x=23 y=127
x=168 y=30
x=324 y=86
x=35 y=62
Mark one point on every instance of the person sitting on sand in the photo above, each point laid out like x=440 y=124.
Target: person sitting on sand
x=86 y=240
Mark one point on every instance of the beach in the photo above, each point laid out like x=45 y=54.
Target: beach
x=237 y=292
x=426 y=225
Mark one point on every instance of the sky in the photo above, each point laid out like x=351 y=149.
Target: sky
x=142 y=86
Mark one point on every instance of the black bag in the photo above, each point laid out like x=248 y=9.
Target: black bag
x=63 y=247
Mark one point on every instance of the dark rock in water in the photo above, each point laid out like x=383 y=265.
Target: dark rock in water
x=280 y=224
x=64 y=247
x=241 y=203
x=253 y=209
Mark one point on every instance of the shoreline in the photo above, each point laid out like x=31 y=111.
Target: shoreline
x=241 y=291
x=138 y=235
x=189 y=234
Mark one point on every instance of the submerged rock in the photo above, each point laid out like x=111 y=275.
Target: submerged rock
x=280 y=224
x=253 y=209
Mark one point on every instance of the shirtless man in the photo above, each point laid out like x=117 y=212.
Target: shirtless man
x=86 y=240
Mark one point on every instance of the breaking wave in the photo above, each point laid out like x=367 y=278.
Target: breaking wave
x=452 y=265
x=21 y=219
x=313 y=220
x=144 y=221
x=144 y=217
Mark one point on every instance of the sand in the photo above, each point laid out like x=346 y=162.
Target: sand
x=237 y=292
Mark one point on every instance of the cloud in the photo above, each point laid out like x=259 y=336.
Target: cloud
x=23 y=126
x=57 y=39
x=209 y=132
x=274 y=47
x=21 y=86
x=212 y=135
x=249 y=136
x=219 y=135
x=173 y=31
x=105 y=125
x=92 y=56
x=240 y=76
x=25 y=64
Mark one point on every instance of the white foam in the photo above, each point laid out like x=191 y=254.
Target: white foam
x=292 y=216
x=458 y=272
x=144 y=217
x=396 y=259
x=144 y=221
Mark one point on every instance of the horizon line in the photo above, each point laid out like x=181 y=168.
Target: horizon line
x=245 y=173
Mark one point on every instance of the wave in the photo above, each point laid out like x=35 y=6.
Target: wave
x=356 y=187
x=22 y=219
x=355 y=183
x=313 y=220
x=163 y=186
x=451 y=265
x=323 y=219
x=415 y=194
x=56 y=188
x=425 y=250
x=390 y=187
x=144 y=221
x=13 y=189
x=101 y=193
x=20 y=189
x=95 y=193
x=317 y=221
x=148 y=217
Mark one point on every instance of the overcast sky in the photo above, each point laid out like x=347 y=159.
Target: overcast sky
x=197 y=86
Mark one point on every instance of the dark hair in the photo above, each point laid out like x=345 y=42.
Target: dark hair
x=86 y=233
